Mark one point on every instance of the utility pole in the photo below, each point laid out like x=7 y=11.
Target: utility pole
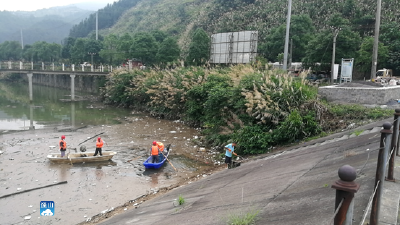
x=291 y=52
x=97 y=26
x=91 y=54
x=285 y=53
x=335 y=34
x=376 y=40
x=22 y=40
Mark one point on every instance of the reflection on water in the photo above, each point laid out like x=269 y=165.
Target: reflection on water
x=48 y=108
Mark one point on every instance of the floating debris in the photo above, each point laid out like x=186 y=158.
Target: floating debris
x=27 y=217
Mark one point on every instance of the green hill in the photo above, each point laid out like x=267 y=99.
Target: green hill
x=181 y=17
x=50 y=25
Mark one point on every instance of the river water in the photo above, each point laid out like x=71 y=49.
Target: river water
x=30 y=130
x=51 y=107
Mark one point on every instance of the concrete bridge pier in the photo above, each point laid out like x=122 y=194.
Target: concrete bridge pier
x=72 y=86
x=63 y=68
x=20 y=65
x=31 y=65
x=42 y=65
x=73 y=67
x=9 y=65
x=30 y=75
x=52 y=65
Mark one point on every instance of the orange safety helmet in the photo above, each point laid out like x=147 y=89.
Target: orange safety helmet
x=154 y=142
x=63 y=137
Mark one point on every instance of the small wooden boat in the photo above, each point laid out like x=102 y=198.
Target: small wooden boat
x=150 y=165
x=80 y=157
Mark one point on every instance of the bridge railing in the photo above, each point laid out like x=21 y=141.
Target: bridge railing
x=346 y=187
x=55 y=66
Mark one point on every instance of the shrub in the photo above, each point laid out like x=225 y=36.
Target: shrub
x=181 y=200
x=253 y=139
x=248 y=218
x=296 y=127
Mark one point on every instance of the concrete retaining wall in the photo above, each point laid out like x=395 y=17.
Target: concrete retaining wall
x=360 y=95
x=83 y=83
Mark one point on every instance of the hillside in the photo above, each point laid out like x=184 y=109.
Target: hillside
x=181 y=17
x=50 y=25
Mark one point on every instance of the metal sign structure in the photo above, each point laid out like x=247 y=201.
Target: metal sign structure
x=346 y=73
x=234 y=47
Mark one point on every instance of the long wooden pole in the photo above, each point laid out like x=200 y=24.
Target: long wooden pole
x=62 y=182
x=169 y=162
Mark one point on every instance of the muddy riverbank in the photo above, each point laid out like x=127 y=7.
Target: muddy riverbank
x=95 y=188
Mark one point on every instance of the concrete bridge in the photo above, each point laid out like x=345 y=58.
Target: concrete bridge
x=60 y=75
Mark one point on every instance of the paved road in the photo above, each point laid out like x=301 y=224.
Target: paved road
x=290 y=187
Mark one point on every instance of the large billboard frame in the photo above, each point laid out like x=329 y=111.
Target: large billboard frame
x=234 y=47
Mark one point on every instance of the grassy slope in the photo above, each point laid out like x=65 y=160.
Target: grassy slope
x=180 y=17
x=177 y=17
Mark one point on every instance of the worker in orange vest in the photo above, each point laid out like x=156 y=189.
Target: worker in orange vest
x=154 y=151
x=99 y=145
x=63 y=146
x=160 y=146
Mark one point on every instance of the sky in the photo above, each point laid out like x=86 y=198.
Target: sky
x=32 y=5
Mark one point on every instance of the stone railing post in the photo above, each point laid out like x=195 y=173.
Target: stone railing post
x=386 y=136
x=345 y=190
x=393 y=146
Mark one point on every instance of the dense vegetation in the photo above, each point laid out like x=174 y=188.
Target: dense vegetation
x=258 y=108
x=154 y=49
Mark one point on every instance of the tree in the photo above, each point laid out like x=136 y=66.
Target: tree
x=169 y=51
x=110 y=45
x=159 y=35
x=66 y=49
x=45 y=52
x=390 y=36
x=28 y=53
x=93 y=46
x=144 y=47
x=78 y=54
x=363 y=61
x=301 y=32
x=10 y=50
x=319 y=49
x=199 y=48
x=123 y=48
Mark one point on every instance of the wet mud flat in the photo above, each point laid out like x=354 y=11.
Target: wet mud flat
x=102 y=188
